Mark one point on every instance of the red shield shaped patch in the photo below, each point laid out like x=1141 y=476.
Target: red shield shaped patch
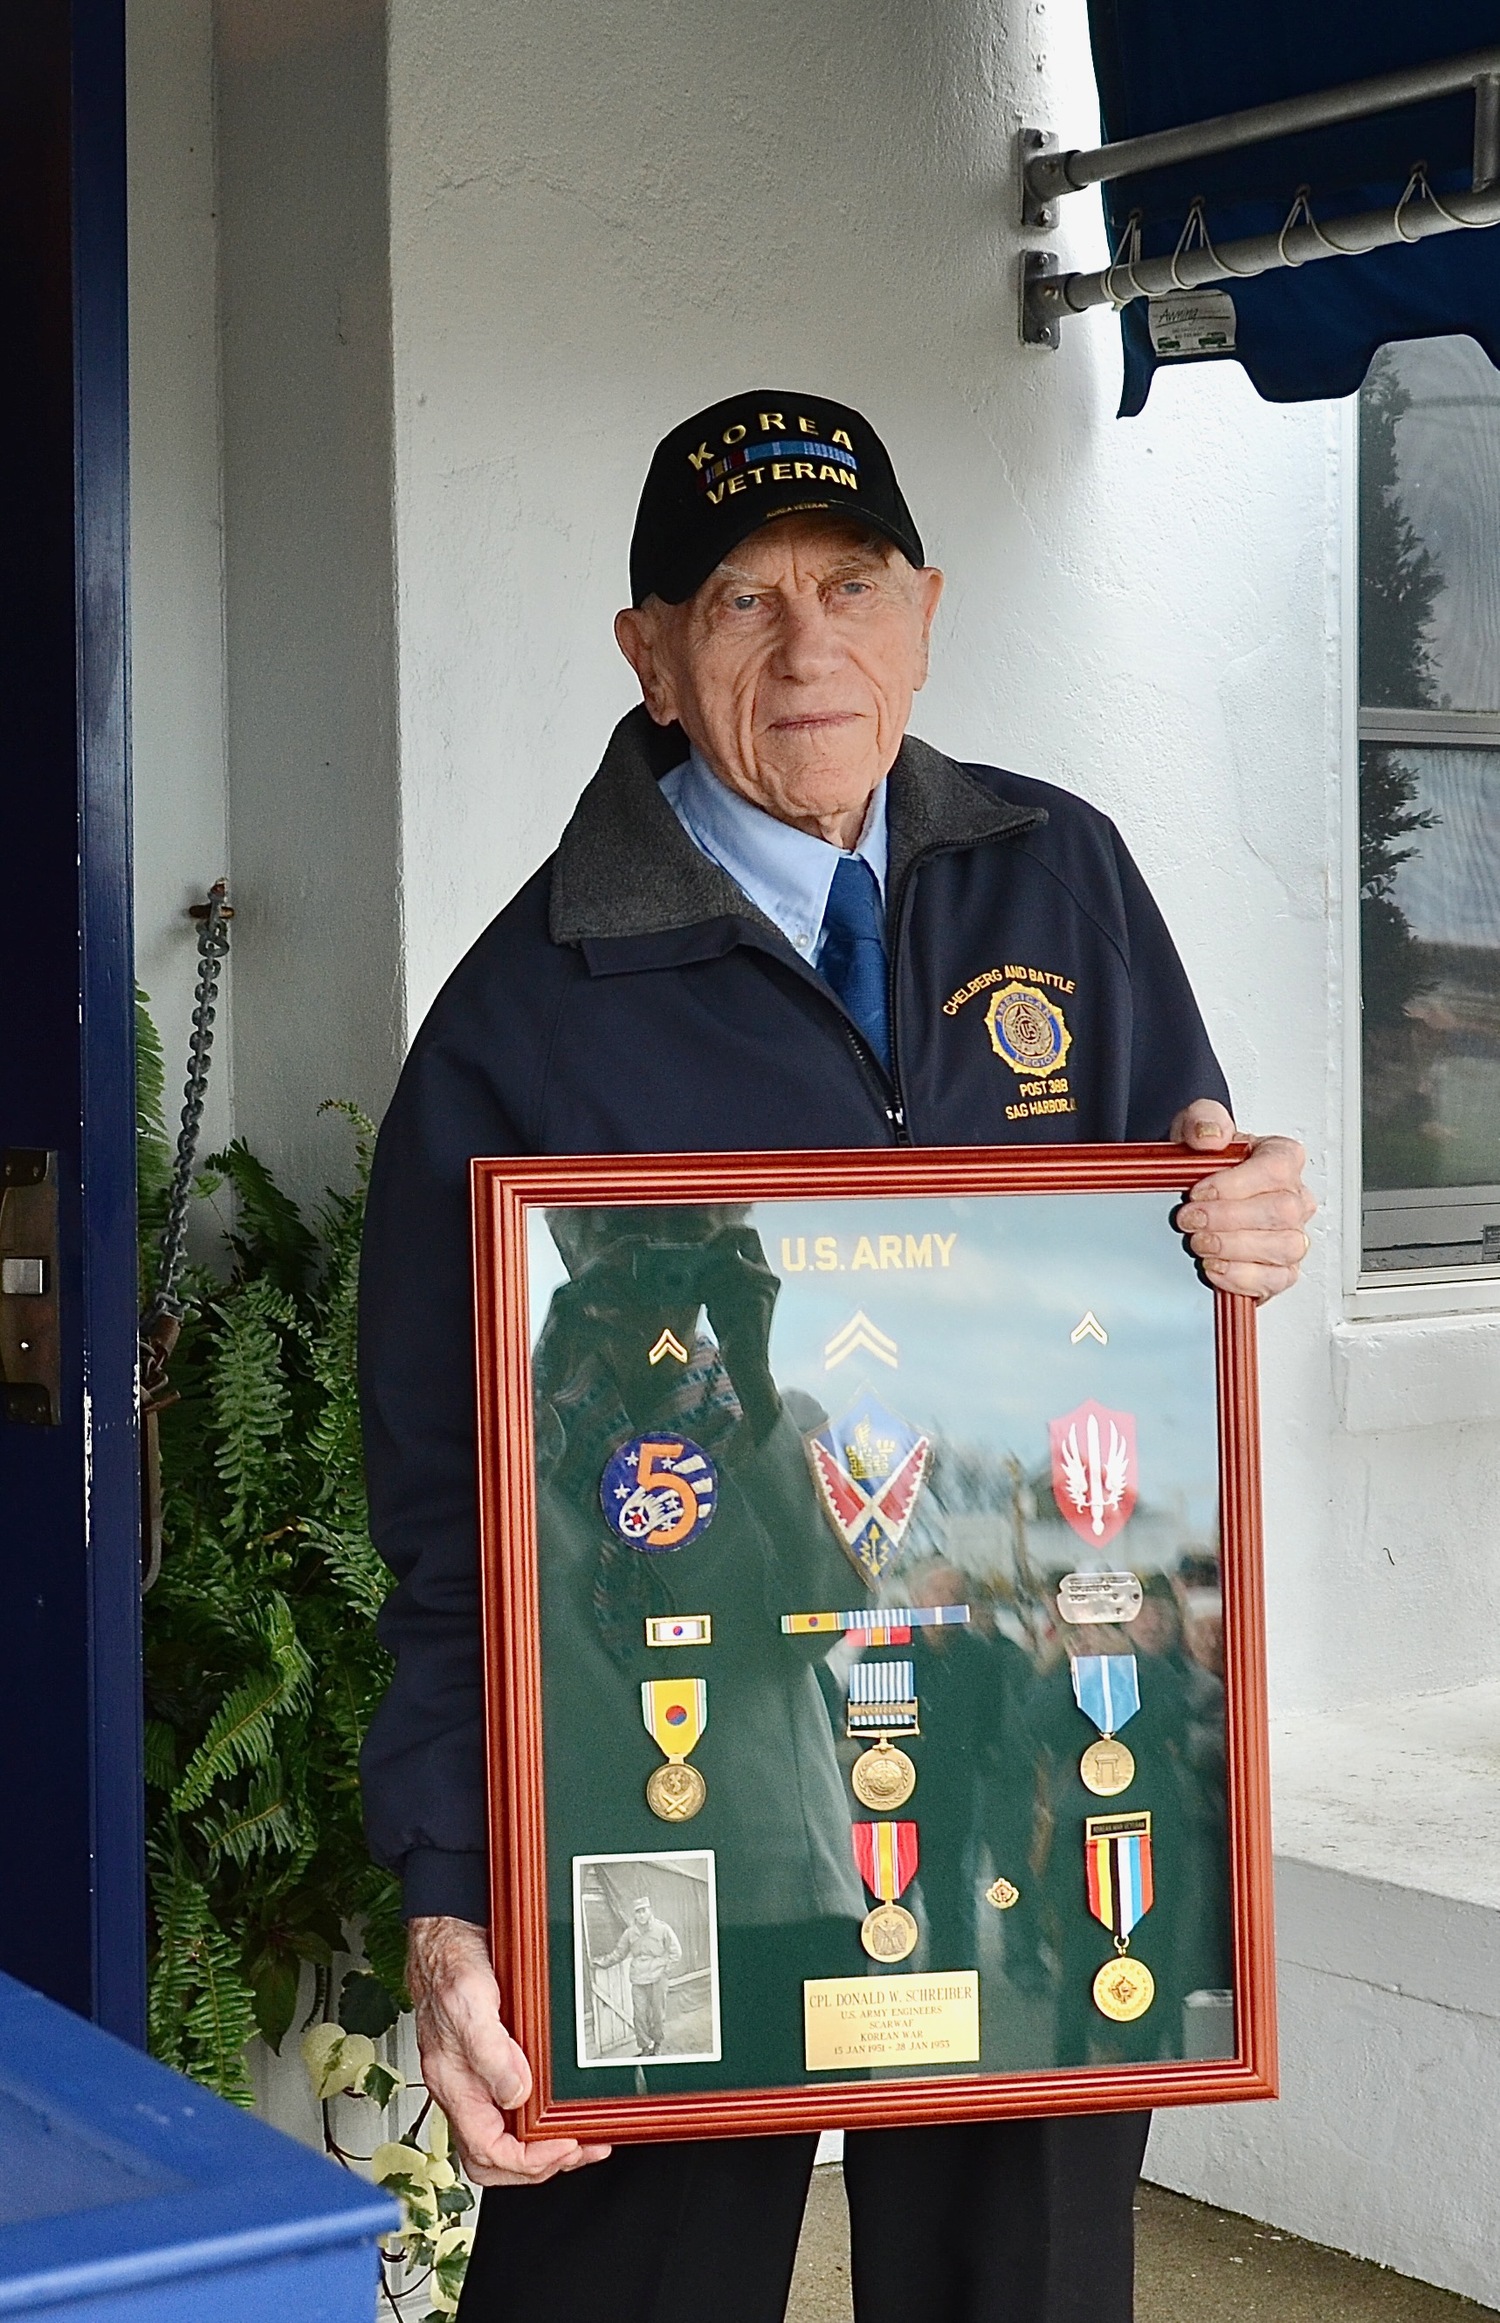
x=1093 y=1470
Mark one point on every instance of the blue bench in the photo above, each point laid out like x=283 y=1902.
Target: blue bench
x=129 y=2195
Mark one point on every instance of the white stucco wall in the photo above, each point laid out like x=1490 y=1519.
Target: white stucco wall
x=177 y=610
x=600 y=221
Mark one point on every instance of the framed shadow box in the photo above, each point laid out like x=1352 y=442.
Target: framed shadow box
x=873 y=1633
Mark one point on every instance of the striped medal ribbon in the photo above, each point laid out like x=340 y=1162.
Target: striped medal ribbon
x=886 y=1854
x=1117 y=1860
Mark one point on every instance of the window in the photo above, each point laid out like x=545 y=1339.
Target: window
x=1429 y=811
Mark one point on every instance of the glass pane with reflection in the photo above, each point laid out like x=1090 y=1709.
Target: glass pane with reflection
x=761 y=1428
x=1430 y=937
x=1429 y=521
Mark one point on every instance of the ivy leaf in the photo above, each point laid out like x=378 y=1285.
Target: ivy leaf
x=274 y=1979
x=365 y=2006
x=381 y=2084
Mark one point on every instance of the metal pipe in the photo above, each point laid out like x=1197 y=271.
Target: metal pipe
x=1050 y=174
x=1486 y=131
x=1050 y=297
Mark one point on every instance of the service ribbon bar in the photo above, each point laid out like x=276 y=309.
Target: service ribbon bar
x=886 y=1854
x=877 y=1624
x=679 y=1629
x=1117 y=1850
x=883 y=1698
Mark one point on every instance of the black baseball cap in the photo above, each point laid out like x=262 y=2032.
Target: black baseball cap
x=725 y=472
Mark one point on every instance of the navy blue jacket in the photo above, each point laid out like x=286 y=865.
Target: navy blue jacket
x=631 y=999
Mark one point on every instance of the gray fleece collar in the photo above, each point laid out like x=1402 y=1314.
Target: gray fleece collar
x=626 y=867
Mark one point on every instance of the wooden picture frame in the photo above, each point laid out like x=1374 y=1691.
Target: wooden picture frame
x=505 y=1194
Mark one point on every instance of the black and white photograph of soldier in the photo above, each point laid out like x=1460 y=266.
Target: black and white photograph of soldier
x=646 y=1950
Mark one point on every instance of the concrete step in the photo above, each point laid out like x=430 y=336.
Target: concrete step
x=1194 y=2264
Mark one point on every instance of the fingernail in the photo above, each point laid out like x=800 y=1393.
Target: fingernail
x=1188 y=1219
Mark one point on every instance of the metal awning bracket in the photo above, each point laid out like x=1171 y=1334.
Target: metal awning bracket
x=1037 y=150
x=1042 y=308
x=1047 y=173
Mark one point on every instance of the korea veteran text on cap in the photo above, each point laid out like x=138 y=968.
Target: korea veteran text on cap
x=722 y=474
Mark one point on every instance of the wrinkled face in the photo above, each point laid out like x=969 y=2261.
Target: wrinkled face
x=793 y=668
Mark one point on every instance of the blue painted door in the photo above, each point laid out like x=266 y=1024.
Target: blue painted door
x=73 y=1917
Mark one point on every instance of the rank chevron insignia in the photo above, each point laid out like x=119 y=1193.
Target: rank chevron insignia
x=868 y=1467
x=859 y=1332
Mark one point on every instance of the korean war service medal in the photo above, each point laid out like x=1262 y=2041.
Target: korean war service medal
x=886 y=1854
x=868 y=1467
x=1093 y=1470
x=675 y=1712
x=1117 y=1857
x=659 y=1492
x=1107 y=1688
x=882 y=1702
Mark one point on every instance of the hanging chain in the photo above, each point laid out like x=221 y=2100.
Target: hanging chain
x=213 y=920
x=162 y=1320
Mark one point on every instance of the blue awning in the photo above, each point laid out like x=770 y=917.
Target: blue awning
x=1306 y=332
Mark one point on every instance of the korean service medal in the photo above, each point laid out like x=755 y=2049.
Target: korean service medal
x=1107 y=1689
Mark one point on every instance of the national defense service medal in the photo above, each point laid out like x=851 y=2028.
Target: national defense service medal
x=886 y=1854
x=889 y=1933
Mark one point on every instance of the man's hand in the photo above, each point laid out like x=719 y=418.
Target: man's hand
x=469 y=2061
x=1248 y=1224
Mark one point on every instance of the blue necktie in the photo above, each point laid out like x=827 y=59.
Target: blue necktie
x=853 y=956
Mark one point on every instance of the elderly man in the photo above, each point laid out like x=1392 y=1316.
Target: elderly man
x=776 y=919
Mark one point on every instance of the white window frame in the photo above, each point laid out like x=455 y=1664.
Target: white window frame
x=1449 y=1290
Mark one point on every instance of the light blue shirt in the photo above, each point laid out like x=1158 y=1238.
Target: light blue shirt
x=786 y=872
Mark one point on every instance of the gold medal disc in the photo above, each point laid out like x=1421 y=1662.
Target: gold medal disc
x=882 y=1778
x=1002 y=1894
x=1124 y=1989
x=889 y=1932
x=676 y=1791
x=1107 y=1767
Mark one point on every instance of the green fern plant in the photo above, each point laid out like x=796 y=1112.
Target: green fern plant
x=261 y=1664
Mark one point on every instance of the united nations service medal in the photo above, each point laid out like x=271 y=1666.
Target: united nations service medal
x=1124 y=1989
x=659 y=1492
x=1002 y=1893
x=1107 y=1688
x=883 y=1777
x=674 y=1712
x=886 y=1854
x=1107 y=1768
x=889 y=1932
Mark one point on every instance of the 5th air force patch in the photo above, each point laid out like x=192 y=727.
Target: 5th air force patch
x=1028 y=1030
